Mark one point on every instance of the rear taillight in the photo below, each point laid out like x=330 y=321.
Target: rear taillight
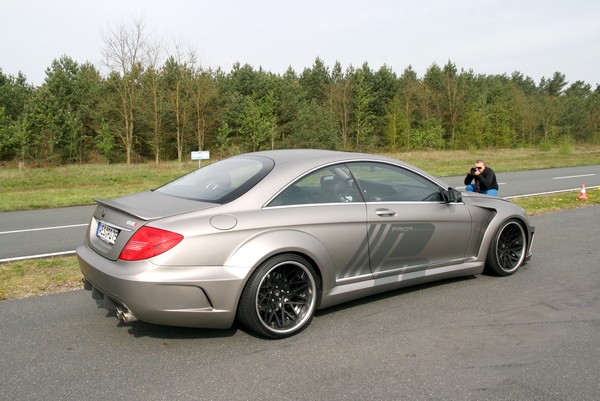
x=148 y=242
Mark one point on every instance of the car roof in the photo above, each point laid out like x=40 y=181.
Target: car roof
x=293 y=155
x=298 y=161
x=318 y=156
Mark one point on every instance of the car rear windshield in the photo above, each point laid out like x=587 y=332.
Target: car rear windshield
x=220 y=182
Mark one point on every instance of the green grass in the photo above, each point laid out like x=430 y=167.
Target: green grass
x=38 y=276
x=41 y=188
x=536 y=205
x=450 y=163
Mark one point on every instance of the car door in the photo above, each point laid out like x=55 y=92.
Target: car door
x=410 y=225
x=327 y=205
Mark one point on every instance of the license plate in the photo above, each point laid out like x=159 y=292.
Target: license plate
x=106 y=233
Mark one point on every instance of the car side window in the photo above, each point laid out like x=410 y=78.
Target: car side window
x=333 y=184
x=380 y=182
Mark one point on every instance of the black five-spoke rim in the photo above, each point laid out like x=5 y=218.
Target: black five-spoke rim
x=285 y=298
x=511 y=246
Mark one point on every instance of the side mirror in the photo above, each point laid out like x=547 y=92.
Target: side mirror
x=454 y=196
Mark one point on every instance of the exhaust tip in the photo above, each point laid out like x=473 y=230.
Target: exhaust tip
x=125 y=315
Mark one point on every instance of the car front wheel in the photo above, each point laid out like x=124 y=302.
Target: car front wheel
x=507 y=252
x=280 y=297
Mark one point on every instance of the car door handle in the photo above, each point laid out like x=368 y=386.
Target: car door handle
x=385 y=212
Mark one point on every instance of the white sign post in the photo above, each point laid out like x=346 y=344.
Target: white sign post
x=200 y=155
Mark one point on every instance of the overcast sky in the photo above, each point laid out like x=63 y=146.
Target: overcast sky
x=535 y=38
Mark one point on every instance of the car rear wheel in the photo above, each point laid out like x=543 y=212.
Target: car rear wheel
x=280 y=297
x=507 y=252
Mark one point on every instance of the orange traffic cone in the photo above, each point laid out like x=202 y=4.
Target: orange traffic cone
x=582 y=194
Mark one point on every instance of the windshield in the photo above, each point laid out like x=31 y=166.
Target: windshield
x=220 y=182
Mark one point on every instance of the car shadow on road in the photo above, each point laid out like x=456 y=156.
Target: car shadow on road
x=391 y=294
x=140 y=329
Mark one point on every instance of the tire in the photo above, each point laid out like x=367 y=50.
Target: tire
x=280 y=297
x=507 y=251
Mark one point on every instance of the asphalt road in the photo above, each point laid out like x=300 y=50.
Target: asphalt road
x=58 y=231
x=531 y=336
x=534 y=182
x=36 y=233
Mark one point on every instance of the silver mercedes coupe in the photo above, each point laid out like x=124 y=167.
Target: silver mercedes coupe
x=269 y=237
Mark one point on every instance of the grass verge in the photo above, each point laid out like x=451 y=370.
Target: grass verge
x=41 y=188
x=536 y=205
x=39 y=276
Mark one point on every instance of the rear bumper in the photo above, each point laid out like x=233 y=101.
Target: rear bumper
x=191 y=296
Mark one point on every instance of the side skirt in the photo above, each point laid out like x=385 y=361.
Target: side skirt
x=351 y=291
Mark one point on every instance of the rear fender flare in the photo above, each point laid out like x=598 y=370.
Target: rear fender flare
x=257 y=249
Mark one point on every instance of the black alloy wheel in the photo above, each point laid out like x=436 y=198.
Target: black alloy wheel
x=507 y=252
x=280 y=298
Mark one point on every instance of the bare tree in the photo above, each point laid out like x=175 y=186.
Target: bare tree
x=181 y=66
x=124 y=55
x=409 y=93
x=204 y=92
x=340 y=90
x=455 y=97
x=155 y=52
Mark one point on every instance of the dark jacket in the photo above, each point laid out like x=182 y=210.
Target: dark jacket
x=486 y=180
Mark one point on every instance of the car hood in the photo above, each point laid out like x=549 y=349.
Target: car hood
x=151 y=205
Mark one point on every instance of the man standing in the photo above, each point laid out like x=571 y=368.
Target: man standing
x=484 y=177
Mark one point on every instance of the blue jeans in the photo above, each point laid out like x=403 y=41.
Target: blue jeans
x=473 y=188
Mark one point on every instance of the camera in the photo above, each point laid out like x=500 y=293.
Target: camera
x=473 y=170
